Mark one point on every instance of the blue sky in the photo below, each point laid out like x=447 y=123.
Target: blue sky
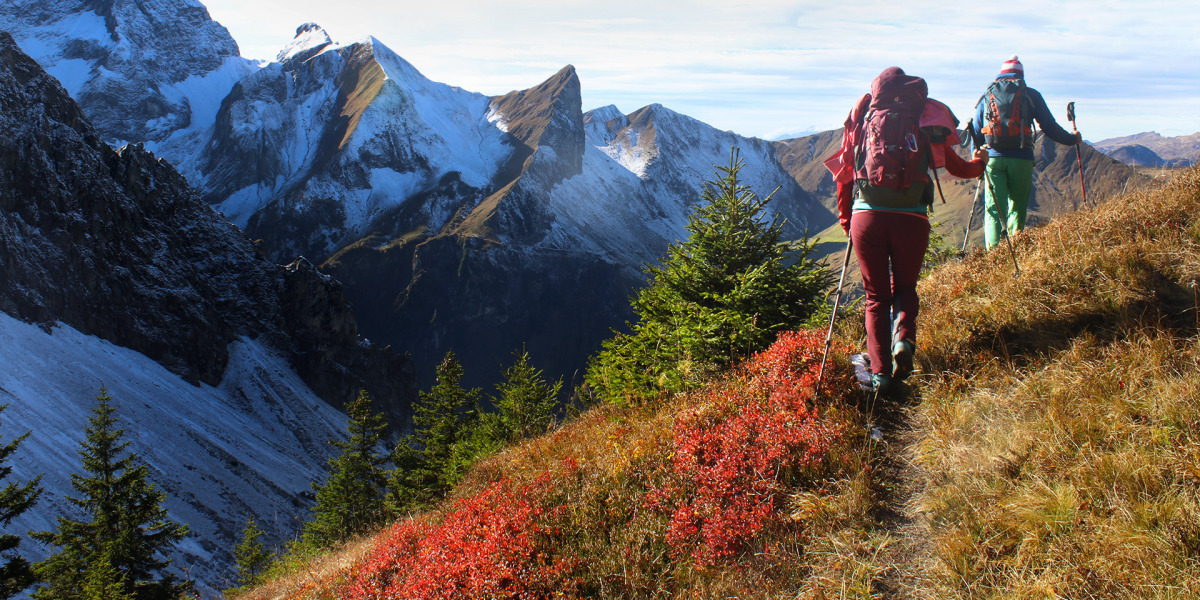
x=765 y=67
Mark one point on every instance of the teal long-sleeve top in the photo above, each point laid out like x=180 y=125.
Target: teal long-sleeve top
x=1041 y=114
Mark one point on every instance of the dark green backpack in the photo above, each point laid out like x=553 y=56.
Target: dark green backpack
x=1008 y=117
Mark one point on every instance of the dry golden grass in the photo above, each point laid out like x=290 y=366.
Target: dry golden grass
x=1057 y=431
x=312 y=579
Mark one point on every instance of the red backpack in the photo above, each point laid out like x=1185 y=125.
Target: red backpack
x=893 y=152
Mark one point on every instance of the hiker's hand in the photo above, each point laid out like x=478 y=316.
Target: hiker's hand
x=981 y=154
x=1078 y=138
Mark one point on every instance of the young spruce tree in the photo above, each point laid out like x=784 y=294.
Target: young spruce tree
x=119 y=550
x=426 y=460
x=526 y=401
x=251 y=555
x=717 y=297
x=15 y=499
x=350 y=502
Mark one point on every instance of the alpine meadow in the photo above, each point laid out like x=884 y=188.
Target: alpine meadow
x=328 y=326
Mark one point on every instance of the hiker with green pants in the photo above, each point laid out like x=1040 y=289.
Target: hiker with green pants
x=1006 y=113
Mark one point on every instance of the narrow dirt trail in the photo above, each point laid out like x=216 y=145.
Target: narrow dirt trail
x=908 y=553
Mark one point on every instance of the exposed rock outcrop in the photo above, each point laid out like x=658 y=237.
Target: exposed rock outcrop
x=116 y=244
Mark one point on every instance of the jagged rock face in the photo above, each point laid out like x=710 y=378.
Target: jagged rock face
x=116 y=244
x=133 y=82
x=311 y=153
x=439 y=207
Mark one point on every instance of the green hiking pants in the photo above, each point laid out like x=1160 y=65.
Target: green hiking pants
x=1009 y=183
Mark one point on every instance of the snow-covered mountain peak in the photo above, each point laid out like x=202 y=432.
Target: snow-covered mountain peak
x=133 y=82
x=310 y=40
x=603 y=114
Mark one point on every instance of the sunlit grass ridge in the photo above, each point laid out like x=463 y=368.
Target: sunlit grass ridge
x=1058 y=423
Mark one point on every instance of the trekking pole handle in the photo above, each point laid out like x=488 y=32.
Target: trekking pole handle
x=1071 y=113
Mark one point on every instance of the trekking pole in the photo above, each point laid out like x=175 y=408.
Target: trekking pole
x=836 y=301
x=971 y=215
x=973 y=139
x=1003 y=227
x=1078 y=153
x=938 y=182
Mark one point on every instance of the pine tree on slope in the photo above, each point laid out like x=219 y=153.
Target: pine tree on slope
x=102 y=581
x=526 y=401
x=719 y=296
x=426 y=463
x=126 y=525
x=351 y=502
x=15 y=499
x=251 y=555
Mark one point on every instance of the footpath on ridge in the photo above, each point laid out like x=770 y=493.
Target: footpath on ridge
x=1048 y=445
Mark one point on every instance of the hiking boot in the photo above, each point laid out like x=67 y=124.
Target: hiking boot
x=881 y=383
x=902 y=359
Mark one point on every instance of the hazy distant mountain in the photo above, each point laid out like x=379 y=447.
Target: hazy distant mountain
x=1153 y=150
x=1137 y=155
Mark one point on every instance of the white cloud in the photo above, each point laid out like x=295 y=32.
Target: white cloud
x=764 y=66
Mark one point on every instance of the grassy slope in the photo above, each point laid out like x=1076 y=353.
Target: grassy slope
x=1049 y=448
x=1057 y=432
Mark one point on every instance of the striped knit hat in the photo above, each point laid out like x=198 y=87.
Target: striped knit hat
x=1013 y=65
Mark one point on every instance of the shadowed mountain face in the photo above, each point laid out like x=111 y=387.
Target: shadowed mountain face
x=123 y=266
x=116 y=244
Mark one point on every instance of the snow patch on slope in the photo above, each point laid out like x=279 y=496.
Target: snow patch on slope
x=249 y=447
x=43 y=44
x=456 y=129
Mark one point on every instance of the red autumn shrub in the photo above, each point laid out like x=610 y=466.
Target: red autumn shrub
x=752 y=439
x=733 y=460
x=489 y=546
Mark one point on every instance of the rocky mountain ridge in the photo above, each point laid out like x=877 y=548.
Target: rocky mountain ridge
x=1151 y=149
x=135 y=83
x=226 y=368
x=114 y=243
x=454 y=219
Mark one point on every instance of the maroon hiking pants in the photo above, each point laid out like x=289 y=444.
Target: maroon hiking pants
x=890 y=247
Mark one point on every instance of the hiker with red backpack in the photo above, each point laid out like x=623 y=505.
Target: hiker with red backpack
x=1006 y=113
x=892 y=137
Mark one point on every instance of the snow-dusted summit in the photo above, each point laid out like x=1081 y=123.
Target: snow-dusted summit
x=143 y=70
x=458 y=220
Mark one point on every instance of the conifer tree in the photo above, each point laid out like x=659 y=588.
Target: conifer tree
x=102 y=581
x=251 y=555
x=15 y=499
x=426 y=461
x=350 y=502
x=720 y=295
x=126 y=525
x=525 y=402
